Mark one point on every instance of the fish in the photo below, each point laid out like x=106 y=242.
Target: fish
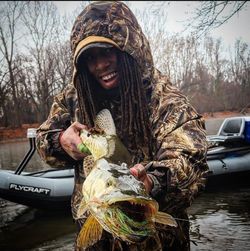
x=118 y=203
x=113 y=198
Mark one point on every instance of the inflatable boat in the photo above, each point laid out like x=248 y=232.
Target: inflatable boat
x=229 y=150
x=228 y=156
x=229 y=153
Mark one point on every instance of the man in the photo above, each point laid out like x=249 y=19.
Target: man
x=113 y=69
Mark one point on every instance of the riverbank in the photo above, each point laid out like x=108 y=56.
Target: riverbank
x=20 y=134
x=226 y=114
x=15 y=134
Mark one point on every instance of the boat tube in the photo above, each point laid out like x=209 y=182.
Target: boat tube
x=49 y=189
x=46 y=189
x=229 y=153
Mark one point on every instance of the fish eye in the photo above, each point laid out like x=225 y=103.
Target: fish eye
x=88 y=134
x=110 y=182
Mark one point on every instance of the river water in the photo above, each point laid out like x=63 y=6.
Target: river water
x=219 y=217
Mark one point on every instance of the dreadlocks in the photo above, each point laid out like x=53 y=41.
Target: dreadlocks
x=85 y=99
x=134 y=125
x=135 y=111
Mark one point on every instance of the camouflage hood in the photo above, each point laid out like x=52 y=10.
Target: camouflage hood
x=103 y=21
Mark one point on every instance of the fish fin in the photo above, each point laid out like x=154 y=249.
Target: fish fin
x=166 y=219
x=97 y=146
x=111 y=147
x=82 y=208
x=90 y=233
x=105 y=122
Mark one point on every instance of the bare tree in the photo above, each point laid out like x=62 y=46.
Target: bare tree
x=212 y=14
x=41 y=21
x=63 y=65
x=240 y=68
x=4 y=91
x=31 y=75
x=207 y=15
x=153 y=21
x=9 y=20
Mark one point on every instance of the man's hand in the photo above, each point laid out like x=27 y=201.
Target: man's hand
x=140 y=173
x=71 y=138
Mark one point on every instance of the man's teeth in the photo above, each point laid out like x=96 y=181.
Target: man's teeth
x=109 y=76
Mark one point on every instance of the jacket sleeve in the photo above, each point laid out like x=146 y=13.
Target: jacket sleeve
x=47 y=139
x=179 y=166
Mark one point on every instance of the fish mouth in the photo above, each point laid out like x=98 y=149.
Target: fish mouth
x=138 y=211
x=132 y=220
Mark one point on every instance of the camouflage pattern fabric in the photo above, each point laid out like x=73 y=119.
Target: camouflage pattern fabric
x=178 y=167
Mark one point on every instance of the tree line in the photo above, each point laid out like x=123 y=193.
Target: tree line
x=36 y=62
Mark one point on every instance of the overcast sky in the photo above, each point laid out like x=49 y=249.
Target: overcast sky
x=178 y=11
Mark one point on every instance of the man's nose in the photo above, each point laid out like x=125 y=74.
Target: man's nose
x=102 y=63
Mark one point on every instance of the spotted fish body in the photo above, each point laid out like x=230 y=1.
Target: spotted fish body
x=115 y=199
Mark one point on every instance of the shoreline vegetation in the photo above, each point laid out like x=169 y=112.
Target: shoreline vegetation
x=8 y=134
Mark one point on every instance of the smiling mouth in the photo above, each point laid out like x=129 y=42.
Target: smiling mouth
x=109 y=76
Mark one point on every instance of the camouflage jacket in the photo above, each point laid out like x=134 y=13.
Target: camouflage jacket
x=178 y=166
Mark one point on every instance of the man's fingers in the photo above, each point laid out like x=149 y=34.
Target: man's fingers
x=78 y=126
x=133 y=171
x=138 y=171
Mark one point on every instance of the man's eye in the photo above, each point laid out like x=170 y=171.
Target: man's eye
x=89 y=58
x=107 y=51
